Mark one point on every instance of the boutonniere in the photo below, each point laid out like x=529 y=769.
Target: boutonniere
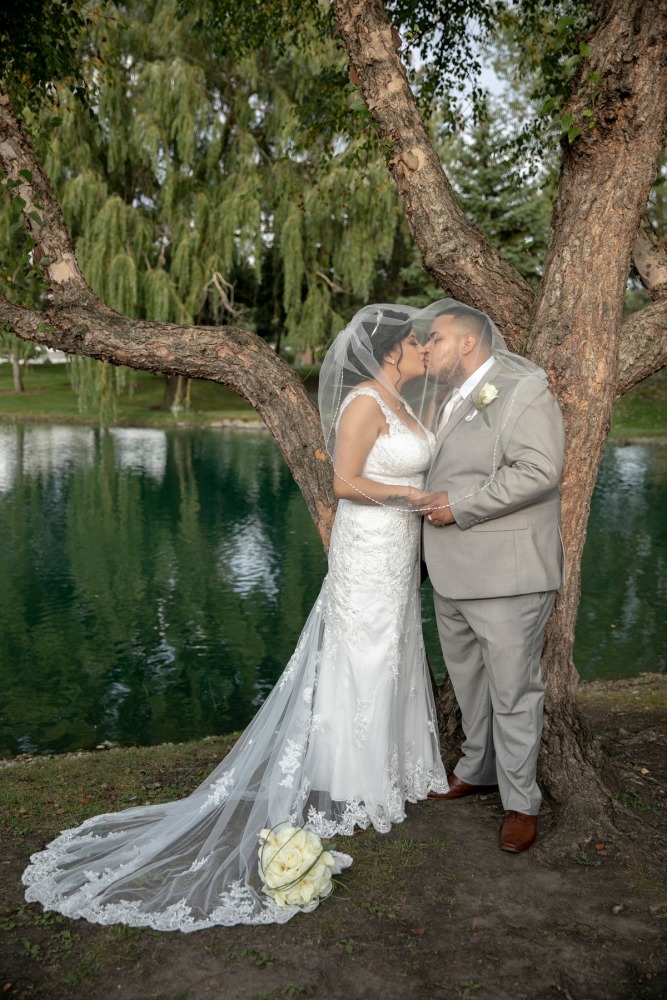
x=484 y=397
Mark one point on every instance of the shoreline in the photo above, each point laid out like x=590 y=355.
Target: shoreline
x=623 y=694
x=251 y=423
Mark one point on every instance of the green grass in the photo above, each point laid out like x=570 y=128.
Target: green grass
x=642 y=413
x=49 y=398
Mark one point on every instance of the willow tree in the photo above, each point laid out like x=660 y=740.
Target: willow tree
x=187 y=185
x=611 y=119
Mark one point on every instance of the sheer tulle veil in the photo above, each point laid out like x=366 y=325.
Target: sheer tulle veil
x=313 y=757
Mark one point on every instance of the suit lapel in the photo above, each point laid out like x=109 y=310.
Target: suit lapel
x=462 y=411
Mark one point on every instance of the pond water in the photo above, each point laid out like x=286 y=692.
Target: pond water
x=154 y=583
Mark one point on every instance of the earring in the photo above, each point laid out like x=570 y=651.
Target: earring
x=391 y=361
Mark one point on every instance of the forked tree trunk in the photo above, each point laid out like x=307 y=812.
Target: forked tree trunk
x=574 y=326
x=606 y=177
x=575 y=329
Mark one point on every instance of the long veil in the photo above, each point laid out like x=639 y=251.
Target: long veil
x=192 y=864
x=312 y=756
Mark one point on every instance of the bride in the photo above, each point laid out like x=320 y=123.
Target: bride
x=349 y=732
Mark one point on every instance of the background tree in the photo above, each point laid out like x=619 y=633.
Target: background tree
x=195 y=193
x=609 y=108
x=17 y=352
x=498 y=192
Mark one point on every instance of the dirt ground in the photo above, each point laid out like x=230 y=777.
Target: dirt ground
x=433 y=911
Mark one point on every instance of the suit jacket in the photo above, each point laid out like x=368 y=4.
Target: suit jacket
x=506 y=539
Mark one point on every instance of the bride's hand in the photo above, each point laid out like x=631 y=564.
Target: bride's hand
x=415 y=497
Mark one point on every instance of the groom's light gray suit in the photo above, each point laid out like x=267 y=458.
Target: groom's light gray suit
x=495 y=572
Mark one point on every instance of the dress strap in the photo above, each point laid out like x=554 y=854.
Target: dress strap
x=389 y=414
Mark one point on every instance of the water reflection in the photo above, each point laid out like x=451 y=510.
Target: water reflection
x=621 y=628
x=155 y=583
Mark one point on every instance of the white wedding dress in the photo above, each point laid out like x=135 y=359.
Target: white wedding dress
x=345 y=738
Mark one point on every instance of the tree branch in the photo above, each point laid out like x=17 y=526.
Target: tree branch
x=77 y=321
x=650 y=260
x=41 y=211
x=228 y=355
x=643 y=345
x=453 y=249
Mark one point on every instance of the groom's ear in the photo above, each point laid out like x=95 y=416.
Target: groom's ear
x=468 y=343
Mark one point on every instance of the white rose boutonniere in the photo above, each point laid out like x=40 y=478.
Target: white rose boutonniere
x=484 y=397
x=294 y=866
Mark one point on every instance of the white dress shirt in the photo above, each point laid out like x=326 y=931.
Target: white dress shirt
x=467 y=389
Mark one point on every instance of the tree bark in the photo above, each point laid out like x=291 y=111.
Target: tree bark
x=228 y=355
x=453 y=249
x=573 y=327
x=606 y=175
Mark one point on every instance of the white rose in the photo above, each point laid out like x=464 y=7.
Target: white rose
x=316 y=872
x=285 y=833
x=328 y=859
x=299 y=840
x=487 y=394
x=299 y=894
x=274 y=879
x=291 y=858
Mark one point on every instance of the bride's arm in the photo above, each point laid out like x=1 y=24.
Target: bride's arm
x=358 y=430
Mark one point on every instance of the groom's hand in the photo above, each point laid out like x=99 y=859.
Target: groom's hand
x=435 y=508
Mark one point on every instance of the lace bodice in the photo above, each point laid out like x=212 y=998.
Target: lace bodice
x=400 y=456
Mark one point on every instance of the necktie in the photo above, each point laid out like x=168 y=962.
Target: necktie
x=451 y=405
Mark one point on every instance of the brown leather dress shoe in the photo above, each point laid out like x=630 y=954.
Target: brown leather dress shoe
x=459 y=789
x=518 y=832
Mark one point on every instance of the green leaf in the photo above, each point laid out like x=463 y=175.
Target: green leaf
x=587 y=112
x=563 y=23
x=36 y=217
x=594 y=77
x=584 y=49
x=27 y=174
x=573 y=133
x=15 y=228
x=548 y=106
x=566 y=122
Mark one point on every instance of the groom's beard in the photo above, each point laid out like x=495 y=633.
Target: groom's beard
x=448 y=377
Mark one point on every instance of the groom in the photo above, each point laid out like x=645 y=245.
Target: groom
x=493 y=550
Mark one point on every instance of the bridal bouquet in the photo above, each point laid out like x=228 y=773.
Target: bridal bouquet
x=294 y=866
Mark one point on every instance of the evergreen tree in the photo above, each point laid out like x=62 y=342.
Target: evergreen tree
x=510 y=205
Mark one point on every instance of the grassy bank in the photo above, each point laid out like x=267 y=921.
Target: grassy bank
x=431 y=911
x=48 y=398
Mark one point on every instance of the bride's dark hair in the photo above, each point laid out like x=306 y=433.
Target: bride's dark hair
x=384 y=334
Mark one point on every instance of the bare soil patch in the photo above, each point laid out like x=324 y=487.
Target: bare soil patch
x=433 y=911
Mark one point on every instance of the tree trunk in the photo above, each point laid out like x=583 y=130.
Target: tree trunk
x=576 y=319
x=606 y=176
x=576 y=327
x=454 y=251
x=17 y=374
x=176 y=392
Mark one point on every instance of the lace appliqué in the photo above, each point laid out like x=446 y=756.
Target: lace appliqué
x=361 y=723
x=291 y=762
x=220 y=790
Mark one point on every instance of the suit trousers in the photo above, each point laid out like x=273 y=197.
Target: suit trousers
x=492 y=649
